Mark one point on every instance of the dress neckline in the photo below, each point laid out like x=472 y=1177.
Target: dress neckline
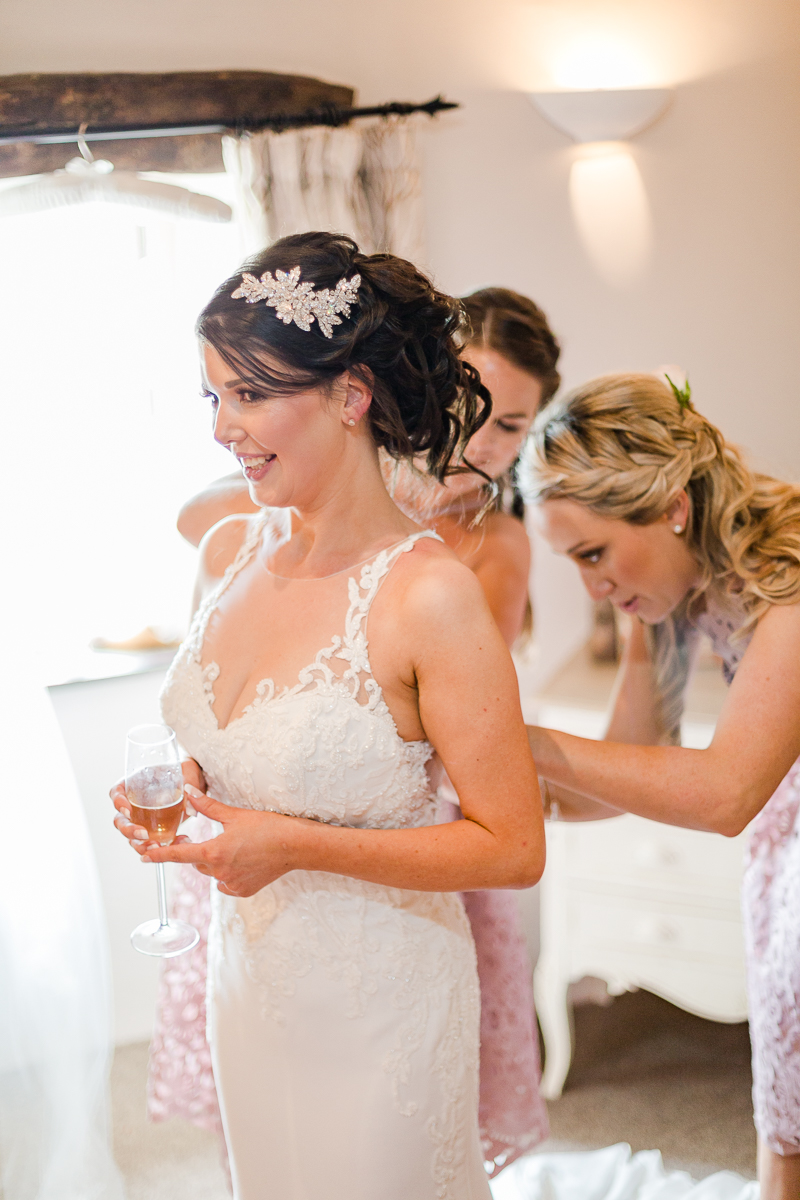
x=352 y=647
x=342 y=571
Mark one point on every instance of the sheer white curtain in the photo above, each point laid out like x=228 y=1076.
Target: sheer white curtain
x=362 y=179
x=55 y=1012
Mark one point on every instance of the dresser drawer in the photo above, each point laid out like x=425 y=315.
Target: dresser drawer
x=644 y=853
x=642 y=927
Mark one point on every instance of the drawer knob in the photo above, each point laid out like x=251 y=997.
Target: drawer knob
x=655 y=854
x=655 y=931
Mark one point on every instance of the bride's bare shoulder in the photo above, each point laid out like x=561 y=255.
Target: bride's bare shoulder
x=433 y=585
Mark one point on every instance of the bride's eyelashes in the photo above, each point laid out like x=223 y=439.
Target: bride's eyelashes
x=591 y=556
x=250 y=397
x=207 y=395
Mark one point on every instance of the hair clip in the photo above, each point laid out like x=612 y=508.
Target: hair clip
x=298 y=302
x=682 y=395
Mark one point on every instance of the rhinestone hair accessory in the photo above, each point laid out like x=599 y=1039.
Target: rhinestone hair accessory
x=299 y=302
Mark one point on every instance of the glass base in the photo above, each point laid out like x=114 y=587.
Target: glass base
x=164 y=941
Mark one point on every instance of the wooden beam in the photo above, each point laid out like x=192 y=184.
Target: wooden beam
x=199 y=153
x=29 y=103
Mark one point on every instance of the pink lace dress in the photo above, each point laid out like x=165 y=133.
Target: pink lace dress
x=771 y=909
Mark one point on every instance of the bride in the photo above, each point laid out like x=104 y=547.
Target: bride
x=343 y=999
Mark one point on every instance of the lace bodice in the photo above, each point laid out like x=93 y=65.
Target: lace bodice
x=326 y=748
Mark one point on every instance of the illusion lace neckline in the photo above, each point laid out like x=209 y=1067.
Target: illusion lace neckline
x=350 y=647
x=332 y=575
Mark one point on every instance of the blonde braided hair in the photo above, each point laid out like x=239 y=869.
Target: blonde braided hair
x=624 y=446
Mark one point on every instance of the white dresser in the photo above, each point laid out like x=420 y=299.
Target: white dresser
x=636 y=903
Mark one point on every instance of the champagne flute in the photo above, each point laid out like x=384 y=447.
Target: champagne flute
x=154 y=786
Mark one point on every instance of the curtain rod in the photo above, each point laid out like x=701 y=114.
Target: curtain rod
x=326 y=114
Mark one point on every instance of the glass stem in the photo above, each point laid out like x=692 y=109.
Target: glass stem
x=162 y=895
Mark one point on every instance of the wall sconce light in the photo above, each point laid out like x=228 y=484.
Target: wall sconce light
x=606 y=191
x=603 y=115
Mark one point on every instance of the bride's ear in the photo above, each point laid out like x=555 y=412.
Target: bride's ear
x=358 y=395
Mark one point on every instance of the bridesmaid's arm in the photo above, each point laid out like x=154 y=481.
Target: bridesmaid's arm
x=720 y=789
x=634 y=720
x=225 y=498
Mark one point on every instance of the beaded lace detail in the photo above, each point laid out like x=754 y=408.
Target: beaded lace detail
x=327 y=748
x=320 y=718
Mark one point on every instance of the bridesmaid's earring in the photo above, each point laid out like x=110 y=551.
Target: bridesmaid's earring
x=678 y=528
x=351 y=421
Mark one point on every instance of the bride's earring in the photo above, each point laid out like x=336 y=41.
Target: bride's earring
x=351 y=421
x=677 y=528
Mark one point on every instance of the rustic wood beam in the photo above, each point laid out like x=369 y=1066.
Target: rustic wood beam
x=30 y=103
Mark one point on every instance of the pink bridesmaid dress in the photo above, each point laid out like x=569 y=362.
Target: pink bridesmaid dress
x=771 y=911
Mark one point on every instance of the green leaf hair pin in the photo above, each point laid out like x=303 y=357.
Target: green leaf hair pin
x=682 y=394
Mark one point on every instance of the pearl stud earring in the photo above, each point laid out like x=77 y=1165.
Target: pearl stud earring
x=351 y=421
x=678 y=528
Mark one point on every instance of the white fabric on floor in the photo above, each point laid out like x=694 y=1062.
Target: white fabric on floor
x=612 y=1173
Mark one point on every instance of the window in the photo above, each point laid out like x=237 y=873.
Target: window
x=101 y=402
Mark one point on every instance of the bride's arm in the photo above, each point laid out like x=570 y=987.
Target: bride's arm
x=469 y=710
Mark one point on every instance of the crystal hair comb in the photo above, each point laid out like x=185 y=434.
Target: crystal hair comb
x=299 y=302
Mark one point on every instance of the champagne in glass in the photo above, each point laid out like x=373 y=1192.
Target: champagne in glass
x=154 y=787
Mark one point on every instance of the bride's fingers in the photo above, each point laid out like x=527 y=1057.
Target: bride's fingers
x=134 y=833
x=226 y=891
x=182 y=851
x=120 y=799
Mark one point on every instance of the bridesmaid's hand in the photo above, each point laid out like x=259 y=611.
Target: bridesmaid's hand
x=253 y=849
x=136 y=835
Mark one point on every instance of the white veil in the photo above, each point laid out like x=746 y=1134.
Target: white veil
x=55 y=1013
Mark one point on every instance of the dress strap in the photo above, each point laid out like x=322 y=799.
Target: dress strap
x=361 y=593
x=244 y=554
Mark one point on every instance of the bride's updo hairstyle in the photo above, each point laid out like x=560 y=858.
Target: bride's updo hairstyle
x=624 y=446
x=402 y=337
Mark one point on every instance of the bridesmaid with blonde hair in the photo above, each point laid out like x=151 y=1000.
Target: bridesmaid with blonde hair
x=665 y=518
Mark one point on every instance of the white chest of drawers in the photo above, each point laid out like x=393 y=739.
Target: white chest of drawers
x=638 y=904
x=633 y=902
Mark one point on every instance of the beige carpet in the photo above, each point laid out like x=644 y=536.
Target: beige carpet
x=169 y=1161
x=647 y=1073
x=644 y=1072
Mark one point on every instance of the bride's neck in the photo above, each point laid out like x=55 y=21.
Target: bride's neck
x=352 y=515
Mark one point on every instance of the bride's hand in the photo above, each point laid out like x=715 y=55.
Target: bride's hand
x=252 y=850
x=137 y=836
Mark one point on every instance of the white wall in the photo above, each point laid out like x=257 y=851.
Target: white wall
x=94 y=718
x=720 y=293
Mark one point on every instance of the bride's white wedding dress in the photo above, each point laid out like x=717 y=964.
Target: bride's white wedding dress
x=343 y=1015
